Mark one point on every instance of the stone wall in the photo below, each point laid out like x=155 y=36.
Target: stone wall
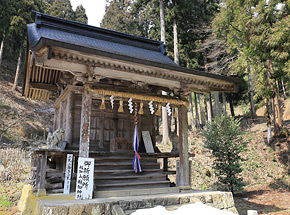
x=219 y=200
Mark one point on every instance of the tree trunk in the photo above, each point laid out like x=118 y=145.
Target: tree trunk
x=175 y=42
x=209 y=105
x=283 y=87
x=276 y=101
x=197 y=123
x=277 y=110
x=224 y=103
x=268 y=119
x=191 y=111
x=217 y=104
x=199 y=108
x=165 y=137
x=162 y=21
x=253 y=111
x=231 y=105
x=17 y=69
x=205 y=109
x=2 y=48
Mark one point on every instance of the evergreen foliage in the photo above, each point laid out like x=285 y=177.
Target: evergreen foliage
x=223 y=137
x=60 y=8
x=80 y=14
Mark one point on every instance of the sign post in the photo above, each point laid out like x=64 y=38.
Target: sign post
x=68 y=169
x=85 y=178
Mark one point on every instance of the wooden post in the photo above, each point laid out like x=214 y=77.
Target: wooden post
x=69 y=117
x=183 y=151
x=55 y=121
x=85 y=123
x=42 y=182
x=60 y=117
x=115 y=120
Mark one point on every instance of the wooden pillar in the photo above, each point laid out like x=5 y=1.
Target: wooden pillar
x=55 y=121
x=69 y=117
x=183 y=151
x=115 y=120
x=85 y=123
x=42 y=181
x=60 y=114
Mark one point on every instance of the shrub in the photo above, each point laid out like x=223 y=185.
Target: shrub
x=224 y=138
x=14 y=162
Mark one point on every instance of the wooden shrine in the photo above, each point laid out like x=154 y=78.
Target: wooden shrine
x=90 y=73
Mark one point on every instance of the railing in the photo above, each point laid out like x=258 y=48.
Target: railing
x=48 y=167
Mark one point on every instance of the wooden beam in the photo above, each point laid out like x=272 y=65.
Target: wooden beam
x=48 y=87
x=183 y=148
x=85 y=123
x=69 y=117
x=158 y=99
x=64 y=94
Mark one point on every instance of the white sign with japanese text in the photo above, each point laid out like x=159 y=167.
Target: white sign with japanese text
x=85 y=178
x=68 y=169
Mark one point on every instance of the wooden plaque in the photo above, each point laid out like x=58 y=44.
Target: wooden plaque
x=85 y=178
x=147 y=142
x=68 y=169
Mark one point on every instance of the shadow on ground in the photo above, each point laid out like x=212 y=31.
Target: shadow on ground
x=244 y=205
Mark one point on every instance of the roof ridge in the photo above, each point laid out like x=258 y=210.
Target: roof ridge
x=97 y=32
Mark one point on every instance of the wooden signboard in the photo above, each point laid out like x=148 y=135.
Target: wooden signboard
x=68 y=169
x=147 y=142
x=85 y=178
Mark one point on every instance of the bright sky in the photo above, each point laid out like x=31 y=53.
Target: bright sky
x=95 y=10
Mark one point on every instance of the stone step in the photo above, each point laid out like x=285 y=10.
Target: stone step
x=122 y=158
x=120 y=166
x=121 y=171
x=135 y=192
x=129 y=181
x=168 y=207
x=135 y=185
x=131 y=175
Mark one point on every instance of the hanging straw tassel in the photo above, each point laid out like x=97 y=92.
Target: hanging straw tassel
x=121 y=109
x=159 y=112
x=175 y=112
x=141 y=112
x=103 y=105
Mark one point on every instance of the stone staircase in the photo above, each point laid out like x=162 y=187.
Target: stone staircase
x=115 y=172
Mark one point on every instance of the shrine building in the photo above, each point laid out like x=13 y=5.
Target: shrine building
x=104 y=84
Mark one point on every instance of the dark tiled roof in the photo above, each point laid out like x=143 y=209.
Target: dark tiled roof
x=52 y=29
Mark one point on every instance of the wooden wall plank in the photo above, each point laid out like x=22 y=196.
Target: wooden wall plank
x=46 y=75
x=43 y=75
x=40 y=73
x=52 y=76
x=49 y=76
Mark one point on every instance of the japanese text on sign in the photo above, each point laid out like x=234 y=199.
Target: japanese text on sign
x=85 y=178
